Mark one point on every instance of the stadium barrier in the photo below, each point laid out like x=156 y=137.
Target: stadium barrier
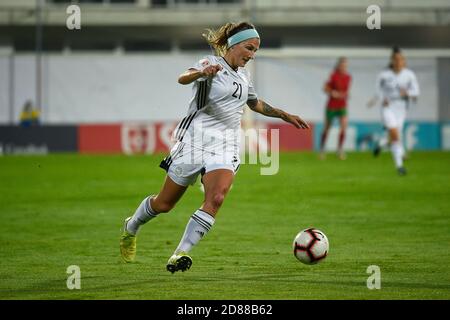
x=361 y=136
x=38 y=140
x=148 y=138
x=128 y=138
x=135 y=138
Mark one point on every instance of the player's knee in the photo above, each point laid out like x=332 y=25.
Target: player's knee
x=217 y=200
x=394 y=136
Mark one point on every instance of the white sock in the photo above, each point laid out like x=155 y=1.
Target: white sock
x=199 y=224
x=383 y=142
x=397 y=153
x=143 y=214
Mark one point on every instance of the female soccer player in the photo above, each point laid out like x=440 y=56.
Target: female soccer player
x=337 y=89
x=207 y=139
x=396 y=87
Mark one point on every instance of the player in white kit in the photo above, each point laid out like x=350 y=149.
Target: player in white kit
x=207 y=139
x=397 y=88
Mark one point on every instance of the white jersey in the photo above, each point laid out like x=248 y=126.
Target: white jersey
x=215 y=110
x=389 y=85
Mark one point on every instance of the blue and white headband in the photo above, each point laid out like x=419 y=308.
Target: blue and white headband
x=242 y=36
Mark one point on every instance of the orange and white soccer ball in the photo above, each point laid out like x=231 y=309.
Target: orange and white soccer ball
x=311 y=246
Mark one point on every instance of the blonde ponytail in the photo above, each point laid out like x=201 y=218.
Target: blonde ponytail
x=217 y=39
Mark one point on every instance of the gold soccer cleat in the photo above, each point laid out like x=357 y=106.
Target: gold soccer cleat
x=127 y=244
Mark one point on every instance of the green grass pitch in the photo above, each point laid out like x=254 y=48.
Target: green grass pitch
x=63 y=210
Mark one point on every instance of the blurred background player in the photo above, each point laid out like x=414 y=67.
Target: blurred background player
x=29 y=115
x=221 y=89
x=337 y=89
x=396 y=88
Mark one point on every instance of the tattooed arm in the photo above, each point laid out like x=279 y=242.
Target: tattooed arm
x=264 y=108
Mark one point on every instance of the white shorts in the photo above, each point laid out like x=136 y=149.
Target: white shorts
x=394 y=116
x=185 y=163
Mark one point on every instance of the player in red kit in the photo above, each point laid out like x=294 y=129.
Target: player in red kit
x=337 y=89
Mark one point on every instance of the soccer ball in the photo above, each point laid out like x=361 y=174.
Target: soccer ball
x=310 y=246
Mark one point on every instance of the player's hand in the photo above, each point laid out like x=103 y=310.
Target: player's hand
x=298 y=122
x=403 y=93
x=336 y=94
x=210 y=71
